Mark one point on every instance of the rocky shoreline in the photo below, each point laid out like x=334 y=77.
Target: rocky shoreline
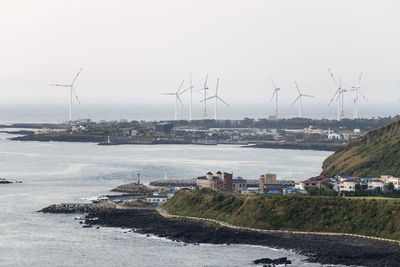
x=319 y=248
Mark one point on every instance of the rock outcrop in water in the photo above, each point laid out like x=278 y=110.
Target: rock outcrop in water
x=79 y=207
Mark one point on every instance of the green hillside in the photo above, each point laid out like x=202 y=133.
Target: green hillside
x=373 y=217
x=373 y=154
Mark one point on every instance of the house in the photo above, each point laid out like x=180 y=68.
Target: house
x=387 y=179
x=310 y=183
x=376 y=183
x=239 y=185
x=345 y=186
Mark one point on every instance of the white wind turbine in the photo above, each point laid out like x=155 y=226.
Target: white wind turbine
x=299 y=98
x=191 y=97
x=339 y=95
x=205 y=88
x=216 y=97
x=177 y=94
x=359 y=94
x=276 y=89
x=72 y=91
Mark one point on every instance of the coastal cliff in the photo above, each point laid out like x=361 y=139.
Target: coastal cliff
x=373 y=154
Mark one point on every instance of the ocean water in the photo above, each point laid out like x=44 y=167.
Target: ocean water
x=56 y=113
x=54 y=172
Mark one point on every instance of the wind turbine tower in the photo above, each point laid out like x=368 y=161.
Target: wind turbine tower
x=191 y=97
x=299 y=98
x=72 y=92
x=205 y=88
x=177 y=94
x=216 y=97
x=276 y=89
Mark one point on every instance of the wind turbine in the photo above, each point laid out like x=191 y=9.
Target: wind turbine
x=177 y=94
x=72 y=91
x=337 y=94
x=191 y=97
x=299 y=98
x=357 y=89
x=276 y=89
x=216 y=96
x=205 y=88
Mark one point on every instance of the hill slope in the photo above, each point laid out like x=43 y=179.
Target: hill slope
x=323 y=214
x=373 y=154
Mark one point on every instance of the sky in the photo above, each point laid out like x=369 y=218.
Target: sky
x=132 y=51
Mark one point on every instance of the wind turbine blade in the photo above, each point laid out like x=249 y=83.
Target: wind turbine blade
x=359 y=78
x=216 y=89
x=205 y=83
x=61 y=85
x=76 y=76
x=208 y=98
x=298 y=89
x=220 y=99
x=184 y=91
x=179 y=100
x=294 y=102
x=180 y=86
x=272 y=97
x=333 y=77
x=76 y=96
x=308 y=95
x=273 y=83
x=334 y=96
x=168 y=93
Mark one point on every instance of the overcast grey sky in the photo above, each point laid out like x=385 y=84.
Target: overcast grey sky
x=134 y=50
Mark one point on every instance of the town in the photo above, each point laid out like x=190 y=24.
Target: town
x=294 y=133
x=159 y=191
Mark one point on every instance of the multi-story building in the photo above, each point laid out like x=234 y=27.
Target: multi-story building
x=239 y=185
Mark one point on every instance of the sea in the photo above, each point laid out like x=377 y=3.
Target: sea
x=56 y=172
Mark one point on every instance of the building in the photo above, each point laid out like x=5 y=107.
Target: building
x=156 y=199
x=164 y=127
x=309 y=183
x=227 y=181
x=239 y=185
x=204 y=181
x=267 y=178
x=275 y=188
x=376 y=183
x=345 y=186
x=387 y=179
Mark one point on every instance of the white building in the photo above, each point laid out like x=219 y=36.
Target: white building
x=156 y=199
x=375 y=183
x=345 y=186
x=387 y=179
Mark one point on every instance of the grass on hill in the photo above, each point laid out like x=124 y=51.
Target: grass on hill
x=372 y=217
